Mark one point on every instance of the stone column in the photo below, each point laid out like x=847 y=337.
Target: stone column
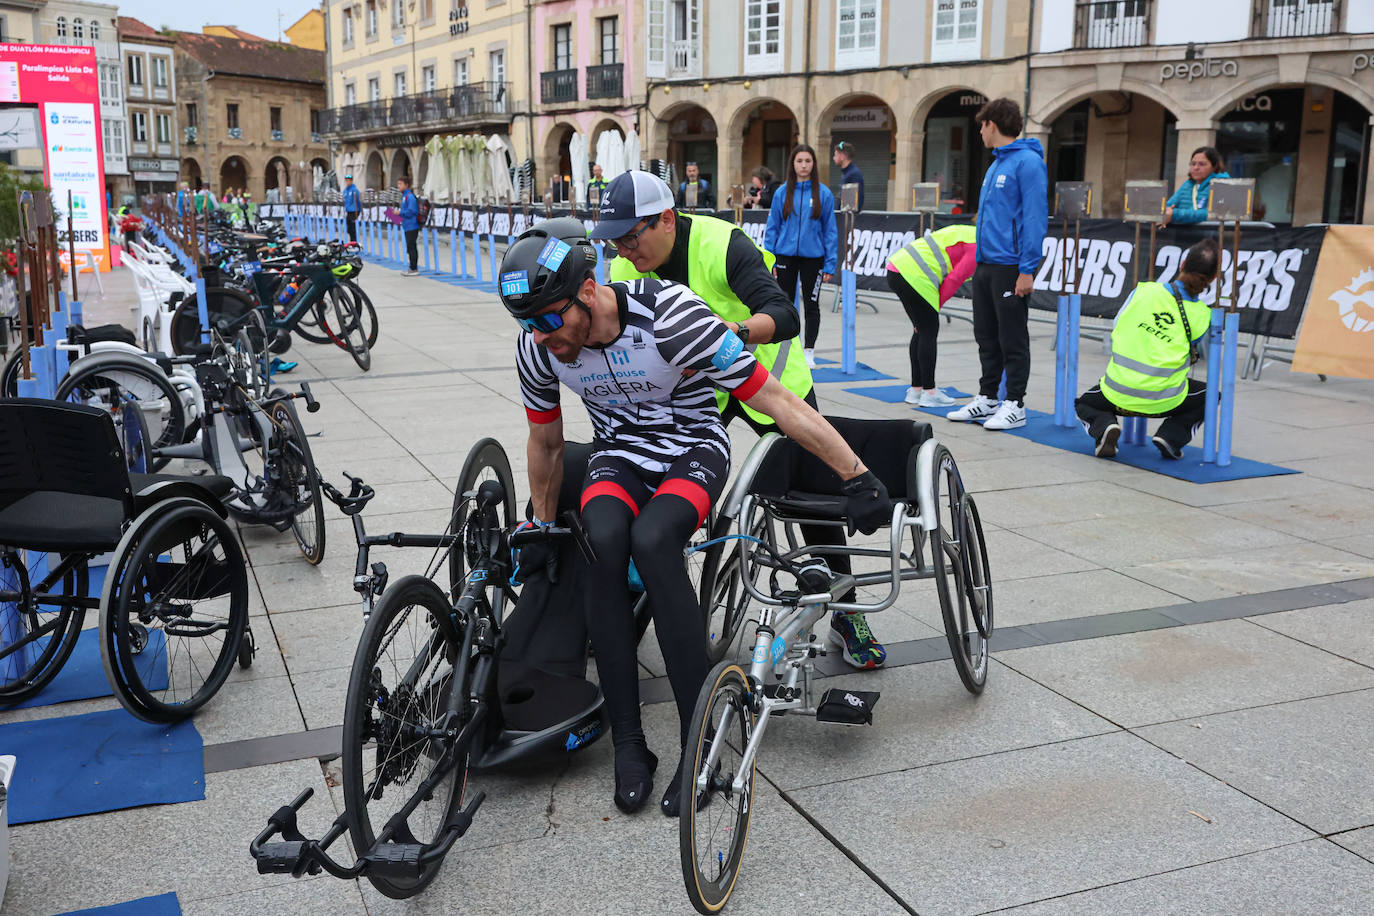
x=910 y=157
x=1314 y=144
x=729 y=164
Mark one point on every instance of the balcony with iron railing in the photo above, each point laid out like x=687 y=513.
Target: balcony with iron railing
x=460 y=106
x=1295 y=18
x=606 y=81
x=1112 y=23
x=558 y=86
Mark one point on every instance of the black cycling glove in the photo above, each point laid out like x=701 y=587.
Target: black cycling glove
x=535 y=556
x=867 y=507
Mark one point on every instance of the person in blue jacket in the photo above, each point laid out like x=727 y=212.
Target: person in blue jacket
x=801 y=233
x=1013 y=217
x=1189 y=203
x=410 y=224
x=353 y=205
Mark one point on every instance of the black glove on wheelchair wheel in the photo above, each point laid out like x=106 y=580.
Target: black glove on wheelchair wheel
x=868 y=507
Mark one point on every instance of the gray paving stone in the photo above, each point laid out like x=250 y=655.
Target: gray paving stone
x=1343 y=629
x=1360 y=842
x=1200 y=577
x=1036 y=823
x=985 y=475
x=924 y=716
x=318 y=639
x=1168 y=674
x=1067 y=502
x=1344 y=460
x=322 y=695
x=1308 y=759
x=1315 y=877
x=1013 y=555
x=249 y=709
x=323 y=894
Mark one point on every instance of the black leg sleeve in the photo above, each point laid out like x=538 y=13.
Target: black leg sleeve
x=610 y=620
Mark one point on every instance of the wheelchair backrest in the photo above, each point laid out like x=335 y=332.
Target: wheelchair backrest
x=49 y=446
x=887 y=447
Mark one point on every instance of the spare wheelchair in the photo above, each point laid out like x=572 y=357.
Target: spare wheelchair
x=174 y=603
x=780 y=487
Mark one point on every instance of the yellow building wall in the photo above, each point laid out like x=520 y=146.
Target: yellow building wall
x=308 y=31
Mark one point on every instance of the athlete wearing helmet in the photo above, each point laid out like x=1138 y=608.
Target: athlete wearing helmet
x=646 y=357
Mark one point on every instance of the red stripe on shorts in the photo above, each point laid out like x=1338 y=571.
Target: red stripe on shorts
x=693 y=492
x=608 y=488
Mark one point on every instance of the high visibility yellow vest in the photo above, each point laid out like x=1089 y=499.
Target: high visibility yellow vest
x=706 y=249
x=1148 y=369
x=923 y=263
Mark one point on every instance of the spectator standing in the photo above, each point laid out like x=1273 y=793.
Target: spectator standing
x=925 y=274
x=1189 y=203
x=704 y=199
x=1013 y=217
x=850 y=173
x=597 y=184
x=410 y=224
x=763 y=184
x=353 y=205
x=802 y=235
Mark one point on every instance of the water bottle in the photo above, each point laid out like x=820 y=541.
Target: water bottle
x=287 y=294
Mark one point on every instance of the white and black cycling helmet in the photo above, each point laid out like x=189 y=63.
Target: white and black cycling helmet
x=546 y=264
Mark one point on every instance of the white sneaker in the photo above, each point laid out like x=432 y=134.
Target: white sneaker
x=936 y=398
x=810 y=358
x=976 y=409
x=410 y=273
x=913 y=396
x=1009 y=416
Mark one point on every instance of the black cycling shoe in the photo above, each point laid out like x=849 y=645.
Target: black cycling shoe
x=671 y=805
x=634 y=776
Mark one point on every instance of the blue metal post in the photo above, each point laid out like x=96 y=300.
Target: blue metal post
x=463 y=253
x=1211 y=401
x=202 y=310
x=1071 y=357
x=453 y=250
x=491 y=241
x=476 y=250
x=434 y=244
x=848 y=300
x=1227 y=403
x=424 y=244
x=1061 y=362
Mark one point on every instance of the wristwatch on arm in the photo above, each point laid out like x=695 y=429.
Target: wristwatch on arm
x=742 y=331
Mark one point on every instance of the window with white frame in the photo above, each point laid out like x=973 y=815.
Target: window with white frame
x=399 y=85
x=856 y=33
x=460 y=72
x=109 y=82
x=398 y=14
x=135 y=70
x=496 y=73
x=374 y=90
x=95 y=30
x=140 y=127
x=61 y=25
x=371 y=23
x=429 y=81
x=562 y=46
x=673 y=30
x=656 y=43
x=762 y=36
x=164 y=128
x=610 y=39
x=160 y=72
x=348 y=26
x=351 y=94
x=114 y=138
x=958 y=30
x=78 y=29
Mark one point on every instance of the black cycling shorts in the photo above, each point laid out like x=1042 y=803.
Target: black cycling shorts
x=698 y=476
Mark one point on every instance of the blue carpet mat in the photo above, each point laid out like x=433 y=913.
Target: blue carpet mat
x=1040 y=428
x=83 y=676
x=827 y=370
x=101 y=761
x=896 y=394
x=161 y=905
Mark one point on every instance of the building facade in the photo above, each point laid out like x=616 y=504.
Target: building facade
x=402 y=71
x=249 y=114
x=150 y=98
x=1284 y=91
x=22 y=21
x=307 y=31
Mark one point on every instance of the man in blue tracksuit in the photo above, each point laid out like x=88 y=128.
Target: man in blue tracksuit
x=353 y=205
x=410 y=223
x=1013 y=217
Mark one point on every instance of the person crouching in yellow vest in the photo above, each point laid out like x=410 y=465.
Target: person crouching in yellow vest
x=733 y=276
x=924 y=274
x=1155 y=339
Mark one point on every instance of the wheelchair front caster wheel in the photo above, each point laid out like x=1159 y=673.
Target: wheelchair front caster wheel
x=248 y=647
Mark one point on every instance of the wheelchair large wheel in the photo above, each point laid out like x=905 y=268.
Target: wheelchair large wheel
x=174 y=610
x=721 y=591
x=37 y=636
x=296 y=473
x=711 y=841
x=116 y=385
x=402 y=672
x=953 y=562
x=225 y=303
x=486 y=460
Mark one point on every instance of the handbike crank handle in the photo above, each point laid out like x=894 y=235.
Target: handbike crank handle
x=311 y=405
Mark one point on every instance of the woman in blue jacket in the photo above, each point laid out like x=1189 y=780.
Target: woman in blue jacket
x=801 y=233
x=1189 y=203
x=410 y=224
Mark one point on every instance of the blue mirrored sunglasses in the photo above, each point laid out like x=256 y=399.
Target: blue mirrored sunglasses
x=546 y=323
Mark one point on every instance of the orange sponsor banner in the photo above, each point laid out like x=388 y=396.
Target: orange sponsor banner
x=1337 y=336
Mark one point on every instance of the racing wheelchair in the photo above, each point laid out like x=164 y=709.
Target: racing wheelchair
x=781 y=486
x=174 y=603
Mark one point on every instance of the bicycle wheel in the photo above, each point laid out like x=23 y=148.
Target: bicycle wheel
x=486 y=460
x=297 y=474
x=312 y=322
x=711 y=840
x=222 y=303
x=402 y=673
x=721 y=592
x=9 y=376
x=173 y=611
x=116 y=385
x=948 y=551
x=349 y=328
x=37 y=639
x=367 y=315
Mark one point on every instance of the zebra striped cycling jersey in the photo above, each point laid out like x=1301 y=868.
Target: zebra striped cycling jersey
x=651 y=391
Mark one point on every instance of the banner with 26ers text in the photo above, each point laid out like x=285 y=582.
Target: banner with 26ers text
x=64 y=83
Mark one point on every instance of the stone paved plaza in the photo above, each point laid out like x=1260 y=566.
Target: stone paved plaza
x=1178 y=717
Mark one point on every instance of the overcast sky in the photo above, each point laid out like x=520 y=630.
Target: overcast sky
x=256 y=16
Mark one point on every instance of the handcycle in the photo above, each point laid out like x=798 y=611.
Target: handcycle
x=779 y=487
x=432 y=694
x=174 y=605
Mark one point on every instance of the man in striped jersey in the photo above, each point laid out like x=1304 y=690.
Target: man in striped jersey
x=646 y=357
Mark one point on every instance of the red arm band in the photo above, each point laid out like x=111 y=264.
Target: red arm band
x=544 y=416
x=752 y=384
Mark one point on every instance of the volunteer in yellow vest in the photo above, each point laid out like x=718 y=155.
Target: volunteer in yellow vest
x=924 y=274
x=733 y=276
x=1154 y=339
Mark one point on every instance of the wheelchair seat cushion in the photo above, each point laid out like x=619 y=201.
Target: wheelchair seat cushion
x=62 y=522
x=886 y=447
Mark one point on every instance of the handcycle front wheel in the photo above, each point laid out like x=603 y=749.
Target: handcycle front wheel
x=951 y=548
x=711 y=840
x=486 y=460
x=296 y=472
x=402 y=672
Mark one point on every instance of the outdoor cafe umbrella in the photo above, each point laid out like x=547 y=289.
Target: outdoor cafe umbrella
x=632 y=150
x=436 y=172
x=498 y=162
x=577 y=152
